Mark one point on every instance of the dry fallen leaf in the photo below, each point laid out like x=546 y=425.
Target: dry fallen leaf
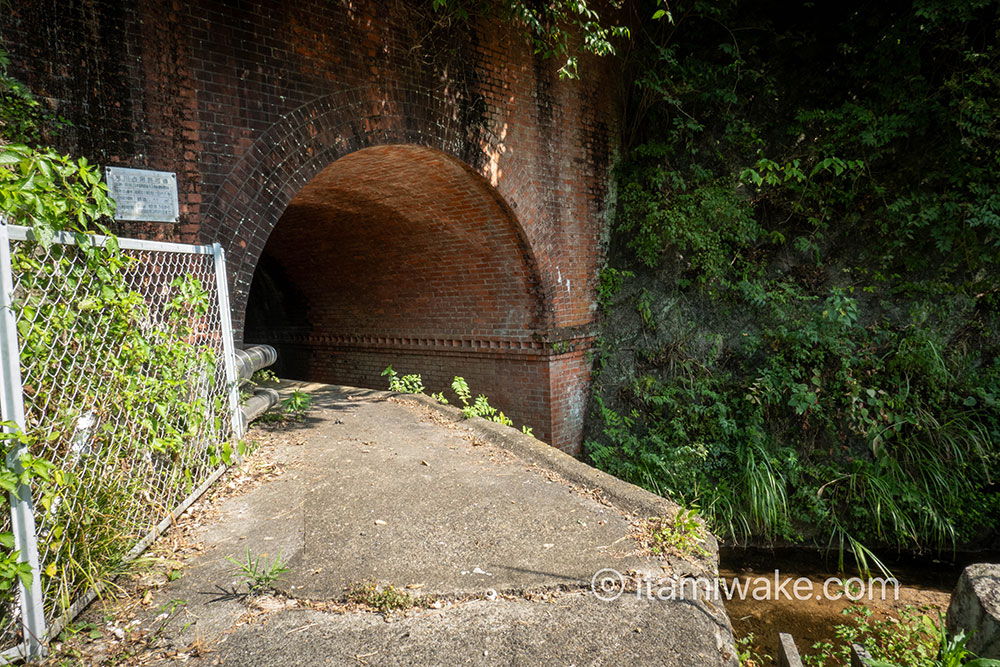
x=414 y=586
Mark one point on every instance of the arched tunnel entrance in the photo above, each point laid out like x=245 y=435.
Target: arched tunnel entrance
x=403 y=255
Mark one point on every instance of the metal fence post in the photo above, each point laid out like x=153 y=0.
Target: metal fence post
x=21 y=507
x=228 y=346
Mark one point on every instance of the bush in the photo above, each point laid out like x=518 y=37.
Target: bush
x=809 y=348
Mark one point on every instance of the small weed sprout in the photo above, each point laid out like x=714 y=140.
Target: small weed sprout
x=461 y=389
x=297 y=404
x=386 y=600
x=293 y=408
x=683 y=533
x=748 y=656
x=406 y=384
x=644 y=308
x=258 y=574
x=271 y=417
x=611 y=281
x=263 y=376
x=88 y=629
x=480 y=407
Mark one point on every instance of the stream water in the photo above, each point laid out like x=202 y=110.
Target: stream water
x=810 y=613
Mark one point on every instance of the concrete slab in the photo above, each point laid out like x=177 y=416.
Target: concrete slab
x=576 y=629
x=405 y=502
x=379 y=488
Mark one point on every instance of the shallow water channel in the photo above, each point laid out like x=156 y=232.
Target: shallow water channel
x=810 y=611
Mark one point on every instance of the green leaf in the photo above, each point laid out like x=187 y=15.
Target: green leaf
x=44 y=234
x=88 y=303
x=8 y=157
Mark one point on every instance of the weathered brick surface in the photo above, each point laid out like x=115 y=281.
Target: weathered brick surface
x=414 y=181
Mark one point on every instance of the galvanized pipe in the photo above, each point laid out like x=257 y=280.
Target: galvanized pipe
x=248 y=362
x=253 y=359
x=263 y=399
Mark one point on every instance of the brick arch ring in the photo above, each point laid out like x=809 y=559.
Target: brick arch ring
x=306 y=140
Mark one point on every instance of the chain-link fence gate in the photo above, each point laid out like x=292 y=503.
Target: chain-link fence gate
x=118 y=383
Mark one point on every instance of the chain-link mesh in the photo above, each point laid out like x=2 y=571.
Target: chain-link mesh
x=125 y=393
x=9 y=627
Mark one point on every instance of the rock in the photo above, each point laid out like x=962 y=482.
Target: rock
x=975 y=608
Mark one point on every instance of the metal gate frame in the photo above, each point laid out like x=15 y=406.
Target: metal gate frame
x=33 y=622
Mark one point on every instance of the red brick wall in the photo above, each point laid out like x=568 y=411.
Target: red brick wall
x=515 y=383
x=569 y=380
x=249 y=102
x=405 y=240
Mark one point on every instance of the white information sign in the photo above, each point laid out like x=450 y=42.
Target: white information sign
x=142 y=194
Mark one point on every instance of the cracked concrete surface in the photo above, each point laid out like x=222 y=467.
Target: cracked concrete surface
x=384 y=489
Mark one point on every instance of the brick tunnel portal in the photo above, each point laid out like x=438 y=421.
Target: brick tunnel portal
x=403 y=255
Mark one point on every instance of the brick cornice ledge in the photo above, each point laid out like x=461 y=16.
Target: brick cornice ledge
x=552 y=343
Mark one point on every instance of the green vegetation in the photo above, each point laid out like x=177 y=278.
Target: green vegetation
x=385 y=599
x=562 y=29
x=748 y=656
x=139 y=372
x=28 y=470
x=23 y=119
x=407 y=384
x=297 y=404
x=263 y=376
x=912 y=640
x=611 y=281
x=145 y=401
x=808 y=349
x=258 y=574
x=480 y=407
x=293 y=408
x=682 y=533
